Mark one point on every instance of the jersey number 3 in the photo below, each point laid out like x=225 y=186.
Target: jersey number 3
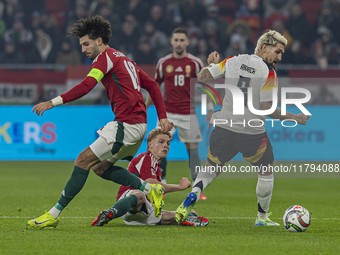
x=133 y=74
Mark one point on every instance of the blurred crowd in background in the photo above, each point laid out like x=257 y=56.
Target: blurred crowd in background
x=35 y=31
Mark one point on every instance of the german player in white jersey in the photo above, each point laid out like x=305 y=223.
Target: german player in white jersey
x=258 y=72
x=176 y=71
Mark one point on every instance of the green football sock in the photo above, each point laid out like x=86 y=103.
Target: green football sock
x=73 y=186
x=124 y=205
x=122 y=176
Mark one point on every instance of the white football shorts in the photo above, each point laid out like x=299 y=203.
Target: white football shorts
x=118 y=140
x=144 y=217
x=188 y=128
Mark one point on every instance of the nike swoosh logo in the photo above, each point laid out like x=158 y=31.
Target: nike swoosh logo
x=39 y=223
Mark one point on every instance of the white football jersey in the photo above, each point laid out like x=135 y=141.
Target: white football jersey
x=244 y=71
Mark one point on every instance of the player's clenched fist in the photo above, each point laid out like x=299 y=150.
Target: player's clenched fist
x=184 y=183
x=302 y=119
x=214 y=58
x=42 y=107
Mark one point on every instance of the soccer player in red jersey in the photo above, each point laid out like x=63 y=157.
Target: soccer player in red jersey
x=176 y=70
x=132 y=205
x=119 y=139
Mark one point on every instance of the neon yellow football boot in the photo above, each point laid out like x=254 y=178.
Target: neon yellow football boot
x=184 y=209
x=45 y=220
x=267 y=222
x=156 y=199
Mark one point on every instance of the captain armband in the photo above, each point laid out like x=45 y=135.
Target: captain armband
x=96 y=73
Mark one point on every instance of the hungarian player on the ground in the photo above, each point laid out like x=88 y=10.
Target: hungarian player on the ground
x=132 y=205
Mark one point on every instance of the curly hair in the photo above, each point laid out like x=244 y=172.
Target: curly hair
x=94 y=27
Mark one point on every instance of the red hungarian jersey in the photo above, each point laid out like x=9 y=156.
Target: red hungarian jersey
x=144 y=166
x=176 y=74
x=123 y=80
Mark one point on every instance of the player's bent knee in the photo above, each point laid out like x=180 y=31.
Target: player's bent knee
x=140 y=196
x=101 y=167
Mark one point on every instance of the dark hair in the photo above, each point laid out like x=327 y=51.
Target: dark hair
x=180 y=30
x=94 y=27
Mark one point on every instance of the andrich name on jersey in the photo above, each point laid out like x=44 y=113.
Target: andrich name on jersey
x=248 y=69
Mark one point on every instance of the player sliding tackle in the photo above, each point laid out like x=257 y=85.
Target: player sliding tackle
x=119 y=139
x=132 y=205
x=258 y=72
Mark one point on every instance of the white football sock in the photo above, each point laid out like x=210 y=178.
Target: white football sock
x=202 y=181
x=54 y=212
x=264 y=190
x=147 y=188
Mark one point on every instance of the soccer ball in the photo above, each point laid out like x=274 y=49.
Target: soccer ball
x=296 y=219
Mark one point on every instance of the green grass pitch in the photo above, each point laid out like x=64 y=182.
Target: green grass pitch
x=27 y=189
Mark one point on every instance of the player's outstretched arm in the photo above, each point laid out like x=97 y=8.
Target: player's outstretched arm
x=299 y=118
x=73 y=94
x=205 y=75
x=155 y=93
x=184 y=183
x=42 y=107
x=148 y=101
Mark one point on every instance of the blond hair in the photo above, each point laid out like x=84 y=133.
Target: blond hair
x=155 y=132
x=271 y=37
